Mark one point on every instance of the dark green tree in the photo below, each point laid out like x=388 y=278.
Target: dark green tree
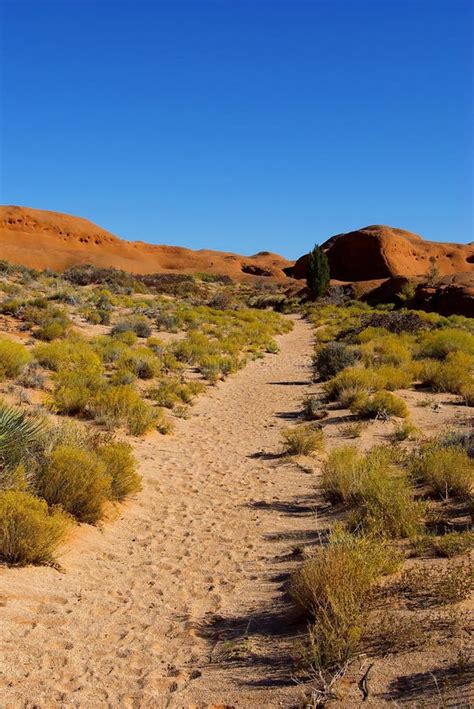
x=317 y=274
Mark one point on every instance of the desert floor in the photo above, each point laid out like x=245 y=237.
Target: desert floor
x=179 y=601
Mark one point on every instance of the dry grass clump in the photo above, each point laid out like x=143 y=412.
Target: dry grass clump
x=139 y=324
x=447 y=545
x=405 y=431
x=381 y=404
x=120 y=464
x=378 y=494
x=29 y=532
x=303 y=440
x=451 y=375
x=438 y=585
x=122 y=406
x=441 y=343
x=448 y=470
x=333 y=588
x=171 y=392
x=13 y=358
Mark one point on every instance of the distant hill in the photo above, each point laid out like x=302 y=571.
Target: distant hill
x=378 y=251
x=41 y=239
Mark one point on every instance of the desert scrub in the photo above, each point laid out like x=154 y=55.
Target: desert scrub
x=385 y=349
x=170 y=392
x=332 y=358
x=122 y=406
x=13 y=358
x=333 y=589
x=355 y=379
x=441 y=343
x=438 y=585
x=379 y=495
x=447 y=545
x=29 y=532
x=120 y=466
x=452 y=374
x=303 y=440
x=380 y=404
x=141 y=361
x=138 y=324
x=447 y=470
x=405 y=431
x=75 y=479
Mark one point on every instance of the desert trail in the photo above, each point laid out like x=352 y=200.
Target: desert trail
x=147 y=606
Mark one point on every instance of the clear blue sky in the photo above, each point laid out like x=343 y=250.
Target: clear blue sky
x=241 y=125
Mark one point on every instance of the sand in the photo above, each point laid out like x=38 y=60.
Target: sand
x=147 y=607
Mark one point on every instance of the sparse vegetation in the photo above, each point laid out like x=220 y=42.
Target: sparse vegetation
x=303 y=440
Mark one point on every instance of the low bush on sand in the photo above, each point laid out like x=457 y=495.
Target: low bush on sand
x=333 y=589
x=378 y=494
x=332 y=358
x=13 y=358
x=441 y=343
x=380 y=404
x=123 y=406
x=303 y=440
x=29 y=532
x=76 y=480
x=138 y=324
x=120 y=464
x=448 y=470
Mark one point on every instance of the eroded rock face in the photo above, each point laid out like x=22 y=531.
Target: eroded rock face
x=41 y=239
x=379 y=252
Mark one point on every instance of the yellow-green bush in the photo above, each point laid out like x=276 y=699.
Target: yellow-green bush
x=333 y=589
x=29 y=532
x=303 y=440
x=341 y=474
x=452 y=374
x=447 y=470
x=382 y=403
x=170 y=392
x=141 y=361
x=378 y=493
x=13 y=358
x=76 y=480
x=440 y=343
x=355 y=379
x=122 y=406
x=120 y=465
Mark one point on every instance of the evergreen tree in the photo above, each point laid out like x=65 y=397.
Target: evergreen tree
x=317 y=275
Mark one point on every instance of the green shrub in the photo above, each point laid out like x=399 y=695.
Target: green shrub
x=120 y=467
x=440 y=343
x=13 y=358
x=303 y=440
x=333 y=588
x=447 y=470
x=140 y=361
x=382 y=403
x=379 y=495
x=448 y=545
x=466 y=390
x=29 y=533
x=20 y=436
x=332 y=358
x=341 y=474
x=451 y=375
x=355 y=379
x=76 y=480
x=404 y=431
x=122 y=406
x=138 y=324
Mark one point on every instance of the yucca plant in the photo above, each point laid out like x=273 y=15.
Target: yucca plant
x=18 y=434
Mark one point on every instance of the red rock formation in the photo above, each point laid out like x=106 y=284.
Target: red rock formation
x=378 y=252
x=42 y=239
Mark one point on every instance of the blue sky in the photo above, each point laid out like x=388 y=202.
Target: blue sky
x=240 y=125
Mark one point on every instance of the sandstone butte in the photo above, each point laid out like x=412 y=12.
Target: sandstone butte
x=377 y=259
x=41 y=239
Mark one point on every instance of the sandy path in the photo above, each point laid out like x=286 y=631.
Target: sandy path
x=178 y=602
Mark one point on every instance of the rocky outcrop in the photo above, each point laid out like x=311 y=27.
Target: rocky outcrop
x=379 y=252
